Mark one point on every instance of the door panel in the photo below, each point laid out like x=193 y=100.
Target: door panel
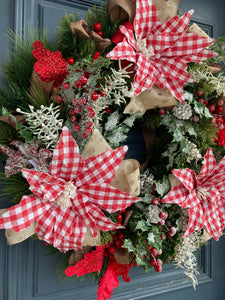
x=26 y=272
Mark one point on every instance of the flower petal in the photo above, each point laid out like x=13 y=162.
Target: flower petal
x=196 y=220
x=21 y=216
x=67 y=162
x=177 y=195
x=208 y=165
x=44 y=185
x=101 y=168
x=107 y=197
x=187 y=177
x=146 y=18
x=123 y=51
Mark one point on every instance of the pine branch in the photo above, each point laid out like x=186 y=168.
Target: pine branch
x=13 y=187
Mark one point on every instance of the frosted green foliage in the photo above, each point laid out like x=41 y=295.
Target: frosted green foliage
x=198 y=107
x=185 y=257
x=163 y=186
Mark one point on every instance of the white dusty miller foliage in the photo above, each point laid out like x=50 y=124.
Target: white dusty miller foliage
x=193 y=153
x=185 y=257
x=44 y=123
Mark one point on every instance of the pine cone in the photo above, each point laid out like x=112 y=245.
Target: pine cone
x=182 y=111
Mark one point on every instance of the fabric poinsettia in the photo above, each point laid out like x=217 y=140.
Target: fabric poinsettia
x=160 y=51
x=70 y=197
x=203 y=195
x=27 y=156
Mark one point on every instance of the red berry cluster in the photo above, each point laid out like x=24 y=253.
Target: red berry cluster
x=153 y=253
x=171 y=230
x=117 y=242
x=97 y=29
x=216 y=109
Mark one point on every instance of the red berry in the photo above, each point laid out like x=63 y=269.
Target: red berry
x=76 y=127
x=108 y=110
x=111 y=249
x=77 y=70
x=66 y=85
x=84 y=135
x=70 y=61
x=221 y=126
x=201 y=100
x=89 y=124
x=76 y=102
x=219 y=121
x=97 y=26
x=82 y=101
x=160 y=251
x=83 y=79
x=161 y=111
x=73 y=119
x=149 y=248
x=163 y=237
x=77 y=109
x=195 y=118
x=121 y=236
x=102 y=93
x=158 y=268
x=219 y=109
x=155 y=201
x=220 y=102
x=126 y=278
x=161 y=222
x=94 y=96
x=154 y=252
x=171 y=232
x=163 y=215
x=77 y=84
x=153 y=262
x=100 y=33
x=119 y=218
x=88 y=131
x=72 y=112
x=158 y=262
x=118 y=243
x=206 y=102
x=91 y=114
x=135 y=264
x=199 y=93
x=212 y=107
x=90 y=108
x=58 y=99
x=96 y=56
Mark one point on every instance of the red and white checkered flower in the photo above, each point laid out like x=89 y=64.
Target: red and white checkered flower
x=160 y=51
x=70 y=197
x=203 y=195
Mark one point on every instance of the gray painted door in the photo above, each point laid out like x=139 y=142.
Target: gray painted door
x=26 y=273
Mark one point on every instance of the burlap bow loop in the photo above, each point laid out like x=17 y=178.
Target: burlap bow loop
x=124 y=10
x=83 y=31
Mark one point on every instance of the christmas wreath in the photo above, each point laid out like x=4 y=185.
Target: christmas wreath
x=65 y=116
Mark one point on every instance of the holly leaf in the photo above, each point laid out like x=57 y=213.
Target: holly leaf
x=142 y=226
x=154 y=240
x=5 y=112
x=162 y=187
x=128 y=244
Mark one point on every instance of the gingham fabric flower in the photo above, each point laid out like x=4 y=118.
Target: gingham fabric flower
x=70 y=197
x=27 y=156
x=203 y=195
x=160 y=51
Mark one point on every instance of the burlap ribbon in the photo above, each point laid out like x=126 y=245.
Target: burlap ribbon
x=12 y=118
x=83 y=31
x=127 y=179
